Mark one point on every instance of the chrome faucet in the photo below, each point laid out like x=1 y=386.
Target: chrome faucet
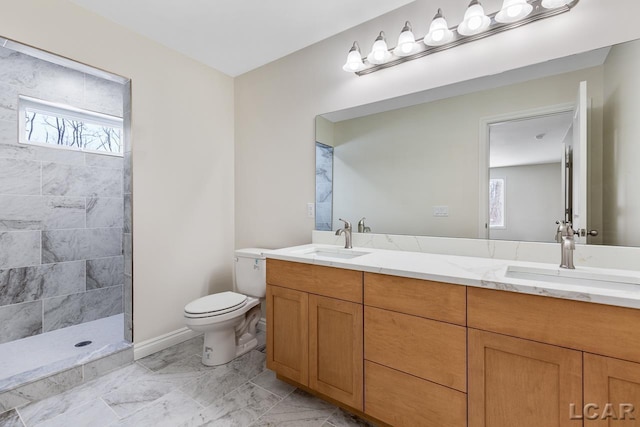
x=347 y=233
x=363 y=228
x=565 y=236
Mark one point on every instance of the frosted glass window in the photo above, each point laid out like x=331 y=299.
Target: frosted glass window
x=56 y=125
x=497 y=203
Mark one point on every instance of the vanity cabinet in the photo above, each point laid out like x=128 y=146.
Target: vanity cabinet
x=315 y=328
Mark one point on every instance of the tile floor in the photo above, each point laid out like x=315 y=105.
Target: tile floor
x=173 y=388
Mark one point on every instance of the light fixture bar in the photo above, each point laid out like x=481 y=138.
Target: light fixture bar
x=539 y=13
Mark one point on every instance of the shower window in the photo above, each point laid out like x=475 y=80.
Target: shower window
x=63 y=126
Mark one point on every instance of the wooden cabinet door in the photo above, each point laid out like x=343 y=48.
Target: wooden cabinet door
x=336 y=349
x=287 y=333
x=515 y=382
x=611 y=392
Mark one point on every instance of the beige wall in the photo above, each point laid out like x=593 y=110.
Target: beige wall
x=621 y=147
x=394 y=167
x=276 y=104
x=182 y=155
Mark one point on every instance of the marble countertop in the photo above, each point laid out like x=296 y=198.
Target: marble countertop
x=478 y=272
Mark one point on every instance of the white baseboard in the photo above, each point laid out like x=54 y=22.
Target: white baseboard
x=154 y=345
x=262 y=325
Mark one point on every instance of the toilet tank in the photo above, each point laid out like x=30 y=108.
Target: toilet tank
x=251 y=272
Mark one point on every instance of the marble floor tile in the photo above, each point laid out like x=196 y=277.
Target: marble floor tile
x=99 y=367
x=94 y=413
x=167 y=356
x=183 y=371
x=342 y=418
x=250 y=364
x=217 y=383
x=268 y=381
x=133 y=397
x=237 y=409
x=299 y=409
x=169 y=411
x=11 y=419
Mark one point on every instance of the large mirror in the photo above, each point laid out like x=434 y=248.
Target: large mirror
x=488 y=158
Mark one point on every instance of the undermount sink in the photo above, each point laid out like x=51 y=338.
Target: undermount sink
x=333 y=253
x=573 y=277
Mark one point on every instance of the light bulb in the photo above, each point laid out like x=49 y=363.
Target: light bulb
x=354 y=60
x=379 y=52
x=406 y=41
x=475 y=21
x=439 y=32
x=513 y=11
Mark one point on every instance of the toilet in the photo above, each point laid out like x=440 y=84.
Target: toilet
x=229 y=319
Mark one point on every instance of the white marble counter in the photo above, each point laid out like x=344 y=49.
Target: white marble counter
x=478 y=272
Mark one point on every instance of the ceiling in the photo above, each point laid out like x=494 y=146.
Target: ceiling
x=236 y=36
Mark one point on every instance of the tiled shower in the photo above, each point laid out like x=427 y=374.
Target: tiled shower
x=65 y=215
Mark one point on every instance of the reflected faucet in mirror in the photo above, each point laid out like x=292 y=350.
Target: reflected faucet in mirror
x=363 y=228
x=565 y=236
x=347 y=233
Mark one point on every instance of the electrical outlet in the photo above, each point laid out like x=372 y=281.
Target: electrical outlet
x=441 y=211
x=311 y=210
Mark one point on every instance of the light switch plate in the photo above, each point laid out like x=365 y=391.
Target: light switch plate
x=441 y=211
x=311 y=210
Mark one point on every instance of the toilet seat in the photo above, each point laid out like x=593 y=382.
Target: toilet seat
x=215 y=305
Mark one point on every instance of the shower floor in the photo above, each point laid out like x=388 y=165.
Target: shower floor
x=39 y=356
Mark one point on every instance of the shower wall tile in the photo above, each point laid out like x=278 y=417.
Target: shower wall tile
x=18 y=285
x=65 y=180
x=38 y=213
x=128 y=213
x=70 y=310
x=105 y=272
x=127 y=249
x=19 y=177
x=127 y=184
x=105 y=212
x=103 y=161
x=20 y=320
x=8 y=102
x=104 y=96
x=13 y=150
x=72 y=245
x=128 y=295
x=19 y=248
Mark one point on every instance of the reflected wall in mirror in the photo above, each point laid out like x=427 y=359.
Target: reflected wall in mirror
x=428 y=163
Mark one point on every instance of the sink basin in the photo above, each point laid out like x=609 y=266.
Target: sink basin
x=573 y=277
x=333 y=253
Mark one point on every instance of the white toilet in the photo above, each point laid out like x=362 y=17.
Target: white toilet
x=229 y=319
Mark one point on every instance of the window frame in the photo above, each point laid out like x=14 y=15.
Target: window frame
x=504 y=204
x=67 y=112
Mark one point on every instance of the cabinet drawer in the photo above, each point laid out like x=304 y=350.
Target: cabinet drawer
x=403 y=400
x=326 y=281
x=595 y=328
x=433 y=300
x=431 y=350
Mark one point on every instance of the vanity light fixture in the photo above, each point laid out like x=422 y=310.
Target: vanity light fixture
x=406 y=42
x=476 y=25
x=379 y=52
x=513 y=11
x=475 y=21
x=439 y=32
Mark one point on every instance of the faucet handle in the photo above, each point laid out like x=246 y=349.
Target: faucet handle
x=347 y=224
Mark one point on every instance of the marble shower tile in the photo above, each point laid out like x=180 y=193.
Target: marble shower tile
x=268 y=381
x=44 y=281
x=127 y=250
x=217 y=383
x=103 y=161
x=237 y=409
x=105 y=272
x=78 y=244
x=95 y=413
x=19 y=249
x=299 y=409
x=65 y=180
x=19 y=177
x=163 y=358
x=126 y=99
x=126 y=174
x=8 y=102
x=20 y=321
x=42 y=389
x=128 y=295
x=74 y=309
x=9 y=148
x=103 y=96
x=11 y=419
x=105 y=212
x=128 y=214
x=98 y=368
x=168 y=411
x=128 y=327
x=38 y=213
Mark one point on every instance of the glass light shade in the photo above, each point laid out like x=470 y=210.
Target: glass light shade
x=513 y=11
x=379 y=52
x=475 y=21
x=354 y=62
x=439 y=32
x=406 y=42
x=554 y=4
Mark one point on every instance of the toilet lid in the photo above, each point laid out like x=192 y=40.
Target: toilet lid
x=220 y=303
